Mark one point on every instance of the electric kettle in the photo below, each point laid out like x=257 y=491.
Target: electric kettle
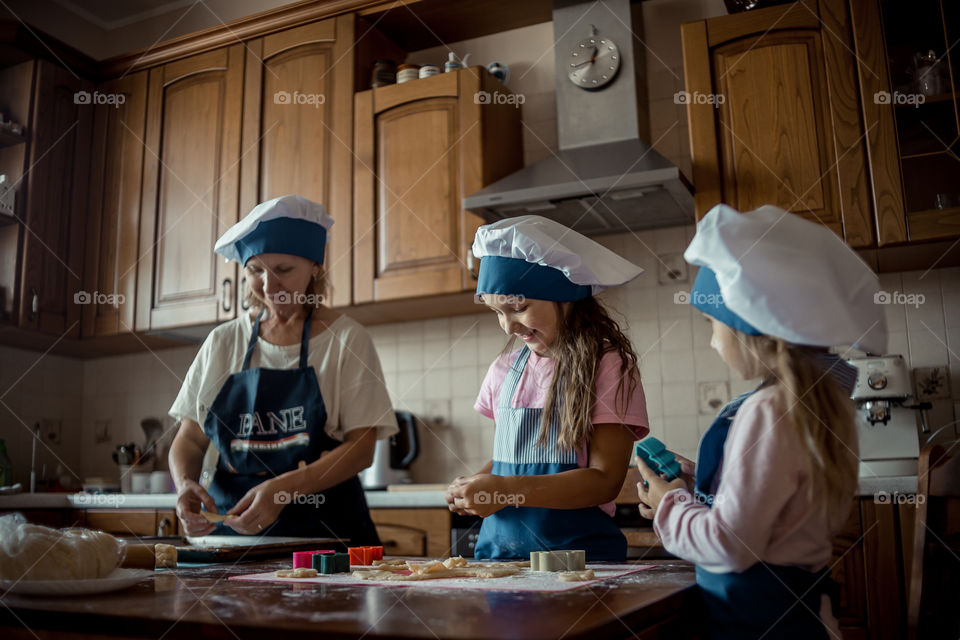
x=393 y=456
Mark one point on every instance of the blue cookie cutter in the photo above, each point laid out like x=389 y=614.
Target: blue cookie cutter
x=655 y=455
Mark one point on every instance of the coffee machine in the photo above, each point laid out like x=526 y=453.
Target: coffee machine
x=887 y=417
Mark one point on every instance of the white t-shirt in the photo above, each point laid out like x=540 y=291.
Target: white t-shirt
x=343 y=357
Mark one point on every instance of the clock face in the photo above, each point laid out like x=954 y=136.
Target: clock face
x=593 y=62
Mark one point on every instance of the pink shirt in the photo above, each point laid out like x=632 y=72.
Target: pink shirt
x=761 y=510
x=535 y=383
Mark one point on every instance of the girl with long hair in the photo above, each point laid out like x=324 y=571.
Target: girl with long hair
x=777 y=470
x=566 y=406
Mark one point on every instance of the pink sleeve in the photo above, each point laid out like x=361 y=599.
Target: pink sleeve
x=490 y=389
x=761 y=476
x=609 y=404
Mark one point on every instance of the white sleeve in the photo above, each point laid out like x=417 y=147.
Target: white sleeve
x=188 y=403
x=363 y=401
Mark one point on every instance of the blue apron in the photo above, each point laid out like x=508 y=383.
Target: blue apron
x=759 y=601
x=264 y=422
x=515 y=531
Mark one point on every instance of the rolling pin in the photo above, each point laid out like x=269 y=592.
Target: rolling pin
x=150 y=556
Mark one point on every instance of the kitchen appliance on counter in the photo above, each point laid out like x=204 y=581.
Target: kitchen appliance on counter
x=887 y=417
x=393 y=456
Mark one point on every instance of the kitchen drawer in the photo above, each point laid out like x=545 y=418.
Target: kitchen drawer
x=399 y=525
x=402 y=541
x=133 y=522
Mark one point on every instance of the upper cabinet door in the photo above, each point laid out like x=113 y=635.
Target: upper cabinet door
x=298 y=128
x=774 y=116
x=190 y=190
x=51 y=295
x=114 y=212
x=420 y=148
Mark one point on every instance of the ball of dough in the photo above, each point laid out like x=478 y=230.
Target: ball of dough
x=34 y=552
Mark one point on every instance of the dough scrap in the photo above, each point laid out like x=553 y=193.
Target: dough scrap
x=166 y=556
x=34 y=552
x=575 y=576
x=302 y=572
x=435 y=574
x=216 y=517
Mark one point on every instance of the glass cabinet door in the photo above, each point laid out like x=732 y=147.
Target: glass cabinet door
x=919 y=38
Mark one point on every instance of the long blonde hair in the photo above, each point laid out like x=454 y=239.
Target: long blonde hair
x=585 y=333
x=818 y=409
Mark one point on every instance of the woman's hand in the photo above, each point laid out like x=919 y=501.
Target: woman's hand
x=260 y=507
x=687 y=471
x=190 y=497
x=479 y=495
x=651 y=495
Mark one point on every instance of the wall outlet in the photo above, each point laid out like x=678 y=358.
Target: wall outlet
x=712 y=396
x=101 y=431
x=672 y=268
x=932 y=383
x=51 y=430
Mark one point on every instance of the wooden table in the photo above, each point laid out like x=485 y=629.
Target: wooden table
x=199 y=601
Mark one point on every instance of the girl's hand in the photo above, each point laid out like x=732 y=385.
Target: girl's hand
x=190 y=497
x=451 y=498
x=687 y=471
x=651 y=495
x=478 y=495
x=260 y=507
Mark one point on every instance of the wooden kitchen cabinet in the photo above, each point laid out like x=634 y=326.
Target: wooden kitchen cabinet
x=420 y=147
x=298 y=128
x=55 y=190
x=191 y=174
x=132 y=522
x=413 y=532
x=912 y=130
x=112 y=254
x=775 y=118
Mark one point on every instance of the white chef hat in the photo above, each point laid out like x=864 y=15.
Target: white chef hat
x=771 y=272
x=541 y=259
x=288 y=224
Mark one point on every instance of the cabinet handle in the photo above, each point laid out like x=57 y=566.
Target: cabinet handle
x=226 y=295
x=470 y=263
x=34 y=304
x=243 y=296
x=164 y=529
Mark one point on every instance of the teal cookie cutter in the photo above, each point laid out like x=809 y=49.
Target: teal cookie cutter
x=655 y=455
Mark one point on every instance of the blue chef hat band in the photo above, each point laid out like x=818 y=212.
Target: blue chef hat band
x=706 y=297
x=515 y=277
x=292 y=236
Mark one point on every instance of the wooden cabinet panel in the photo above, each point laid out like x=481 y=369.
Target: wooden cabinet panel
x=298 y=128
x=784 y=126
x=420 y=148
x=190 y=190
x=123 y=522
x=404 y=529
x=114 y=207
x=56 y=192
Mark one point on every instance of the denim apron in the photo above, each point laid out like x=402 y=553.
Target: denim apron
x=265 y=422
x=515 y=531
x=765 y=600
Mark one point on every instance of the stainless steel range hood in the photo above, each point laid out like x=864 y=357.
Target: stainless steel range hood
x=605 y=178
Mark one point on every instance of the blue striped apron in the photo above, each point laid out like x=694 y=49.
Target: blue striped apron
x=515 y=531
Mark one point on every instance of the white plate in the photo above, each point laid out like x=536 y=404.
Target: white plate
x=117 y=579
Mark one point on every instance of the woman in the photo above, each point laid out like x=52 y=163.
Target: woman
x=291 y=395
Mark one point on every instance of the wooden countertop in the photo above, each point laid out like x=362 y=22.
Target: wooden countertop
x=199 y=601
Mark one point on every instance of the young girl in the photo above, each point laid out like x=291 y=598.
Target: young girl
x=567 y=406
x=777 y=470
